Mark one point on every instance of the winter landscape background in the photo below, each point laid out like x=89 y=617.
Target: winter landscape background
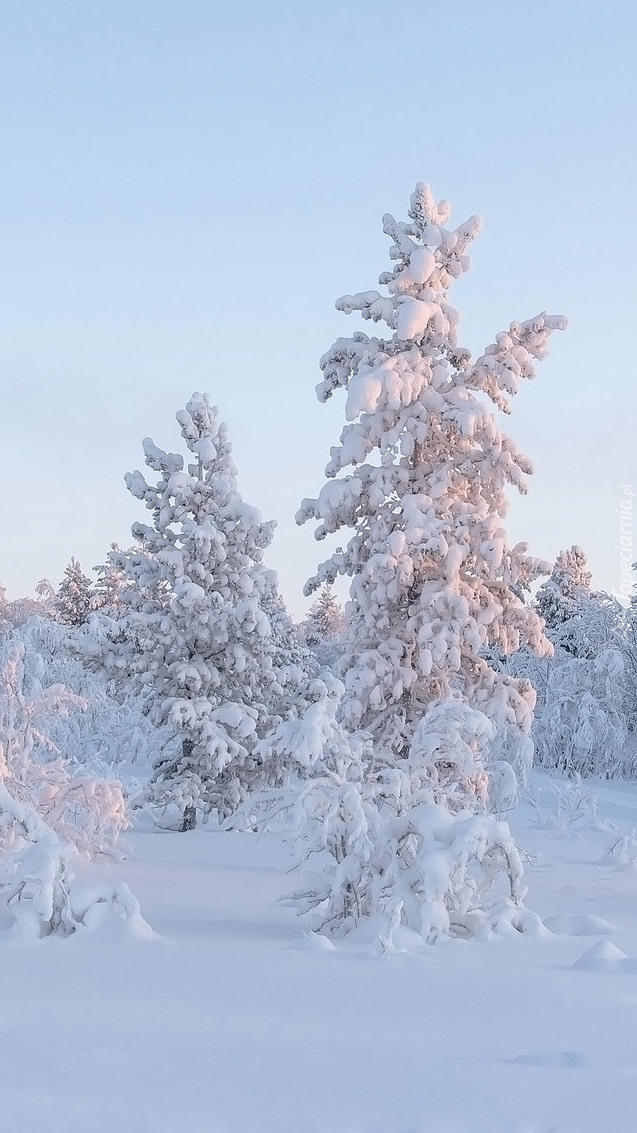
x=332 y=833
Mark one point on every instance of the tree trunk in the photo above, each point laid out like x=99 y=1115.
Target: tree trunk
x=190 y=818
x=190 y=812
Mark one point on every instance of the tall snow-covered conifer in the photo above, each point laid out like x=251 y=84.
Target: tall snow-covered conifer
x=420 y=475
x=570 y=579
x=325 y=617
x=191 y=627
x=72 y=603
x=429 y=733
x=110 y=582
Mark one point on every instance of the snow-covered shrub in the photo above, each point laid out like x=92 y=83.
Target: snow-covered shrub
x=86 y=812
x=629 y=649
x=582 y=728
x=35 y=874
x=108 y=735
x=586 y=705
x=621 y=852
x=597 y=623
x=15 y=613
x=567 y=808
x=38 y=885
x=403 y=845
x=47 y=816
x=377 y=843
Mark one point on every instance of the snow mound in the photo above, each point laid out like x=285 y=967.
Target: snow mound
x=604 y=956
x=528 y=922
x=622 y=852
x=314 y=942
x=565 y=924
x=111 y=912
x=570 y=1059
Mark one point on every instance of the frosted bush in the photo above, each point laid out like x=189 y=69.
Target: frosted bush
x=88 y=813
x=401 y=843
x=582 y=728
x=621 y=852
x=47 y=816
x=567 y=808
x=385 y=849
x=101 y=735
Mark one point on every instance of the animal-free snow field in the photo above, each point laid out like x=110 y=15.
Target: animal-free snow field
x=232 y=1019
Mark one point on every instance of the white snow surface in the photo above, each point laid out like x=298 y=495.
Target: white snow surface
x=233 y=1019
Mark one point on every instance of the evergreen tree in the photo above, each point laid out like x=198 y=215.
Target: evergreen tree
x=325 y=618
x=110 y=582
x=294 y=664
x=585 y=695
x=72 y=604
x=192 y=629
x=420 y=475
x=434 y=582
x=556 y=599
x=581 y=621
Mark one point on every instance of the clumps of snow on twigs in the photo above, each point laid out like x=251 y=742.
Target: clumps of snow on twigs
x=375 y=843
x=48 y=818
x=621 y=853
x=565 y=807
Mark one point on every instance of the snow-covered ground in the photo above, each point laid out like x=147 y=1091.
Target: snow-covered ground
x=232 y=1020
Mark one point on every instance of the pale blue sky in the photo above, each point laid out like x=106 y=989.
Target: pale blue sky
x=187 y=188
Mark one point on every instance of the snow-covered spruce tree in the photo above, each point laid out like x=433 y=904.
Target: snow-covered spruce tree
x=72 y=604
x=190 y=627
x=556 y=599
x=325 y=617
x=434 y=582
x=108 y=585
x=580 y=621
x=324 y=628
x=432 y=574
x=294 y=664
